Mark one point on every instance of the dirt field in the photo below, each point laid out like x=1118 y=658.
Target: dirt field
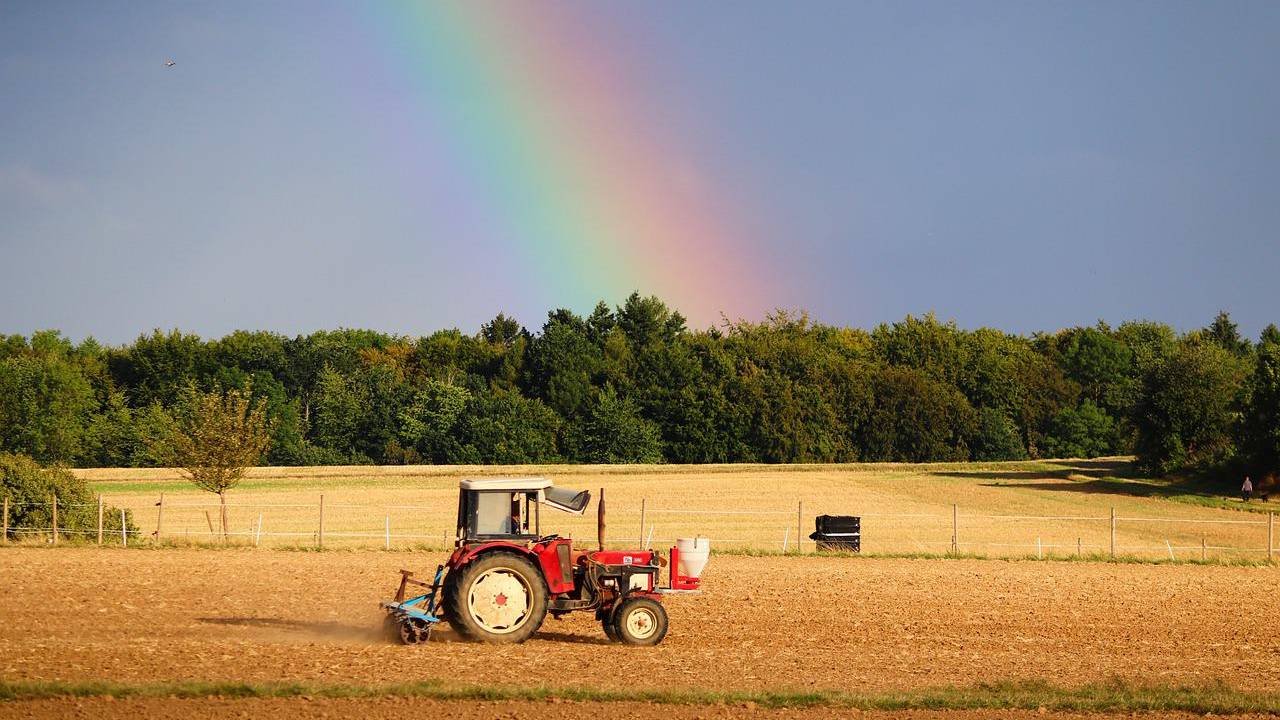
x=416 y=709
x=905 y=508
x=775 y=623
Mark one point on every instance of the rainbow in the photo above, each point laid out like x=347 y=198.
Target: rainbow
x=558 y=147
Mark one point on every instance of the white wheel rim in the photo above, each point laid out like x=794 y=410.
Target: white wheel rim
x=499 y=601
x=642 y=623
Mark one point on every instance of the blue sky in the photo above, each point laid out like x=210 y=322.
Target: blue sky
x=1022 y=165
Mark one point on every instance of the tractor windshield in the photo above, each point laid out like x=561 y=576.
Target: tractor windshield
x=493 y=514
x=498 y=514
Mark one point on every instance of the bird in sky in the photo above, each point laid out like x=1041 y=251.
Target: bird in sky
x=169 y=63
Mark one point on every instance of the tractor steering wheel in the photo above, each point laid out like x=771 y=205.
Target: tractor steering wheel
x=548 y=538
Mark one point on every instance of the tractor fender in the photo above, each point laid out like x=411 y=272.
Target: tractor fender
x=468 y=553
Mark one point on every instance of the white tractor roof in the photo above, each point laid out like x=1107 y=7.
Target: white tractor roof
x=506 y=483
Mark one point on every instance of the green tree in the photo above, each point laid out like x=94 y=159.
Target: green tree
x=45 y=400
x=157 y=368
x=216 y=437
x=934 y=348
x=1099 y=362
x=916 y=419
x=1260 y=436
x=1081 y=432
x=563 y=364
x=338 y=413
x=506 y=428
x=996 y=437
x=1189 y=408
x=614 y=432
x=1224 y=333
x=428 y=422
x=645 y=320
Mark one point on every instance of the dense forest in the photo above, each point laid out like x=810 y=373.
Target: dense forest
x=634 y=384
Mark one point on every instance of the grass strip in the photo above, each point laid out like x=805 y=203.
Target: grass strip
x=1111 y=696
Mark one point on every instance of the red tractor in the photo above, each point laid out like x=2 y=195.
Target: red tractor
x=504 y=576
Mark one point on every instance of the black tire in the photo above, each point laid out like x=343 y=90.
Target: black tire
x=448 y=594
x=475 y=616
x=609 y=630
x=640 y=621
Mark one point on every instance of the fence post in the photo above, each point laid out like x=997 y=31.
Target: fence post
x=320 y=536
x=1039 y=549
x=1078 y=547
x=1271 y=527
x=1113 y=532
x=55 y=519
x=257 y=537
x=388 y=532
x=1203 y=556
x=124 y=530
x=99 y=518
x=160 y=517
x=786 y=535
x=799 y=525
x=642 y=503
x=955 y=529
x=4 y=536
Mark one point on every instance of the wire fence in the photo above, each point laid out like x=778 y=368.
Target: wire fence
x=324 y=523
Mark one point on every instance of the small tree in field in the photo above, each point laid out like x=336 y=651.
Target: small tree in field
x=217 y=436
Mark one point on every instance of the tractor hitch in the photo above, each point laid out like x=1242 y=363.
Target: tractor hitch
x=411 y=619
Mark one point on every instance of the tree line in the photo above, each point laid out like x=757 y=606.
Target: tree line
x=634 y=384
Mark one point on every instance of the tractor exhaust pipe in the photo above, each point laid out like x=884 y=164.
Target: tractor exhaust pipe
x=600 y=520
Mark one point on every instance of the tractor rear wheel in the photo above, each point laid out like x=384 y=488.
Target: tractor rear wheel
x=499 y=598
x=447 y=594
x=640 y=621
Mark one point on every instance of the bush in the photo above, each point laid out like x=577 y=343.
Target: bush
x=1083 y=432
x=997 y=437
x=30 y=488
x=614 y=432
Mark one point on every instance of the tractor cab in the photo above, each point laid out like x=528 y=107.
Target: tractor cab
x=492 y=509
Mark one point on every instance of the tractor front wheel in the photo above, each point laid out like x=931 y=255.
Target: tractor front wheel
x=499 y=598
x=640 y=621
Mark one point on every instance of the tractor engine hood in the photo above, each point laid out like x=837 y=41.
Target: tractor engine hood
x=569 y=501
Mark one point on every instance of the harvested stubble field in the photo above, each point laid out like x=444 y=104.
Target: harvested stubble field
x=905 y=508
x=765 y=623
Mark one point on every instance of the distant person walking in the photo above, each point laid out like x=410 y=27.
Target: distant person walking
x=1246 y=490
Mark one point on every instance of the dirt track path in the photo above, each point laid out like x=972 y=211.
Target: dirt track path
x=764 y=623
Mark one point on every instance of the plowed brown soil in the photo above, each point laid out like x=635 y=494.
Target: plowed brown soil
x=763 y=623
x=418 y=708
